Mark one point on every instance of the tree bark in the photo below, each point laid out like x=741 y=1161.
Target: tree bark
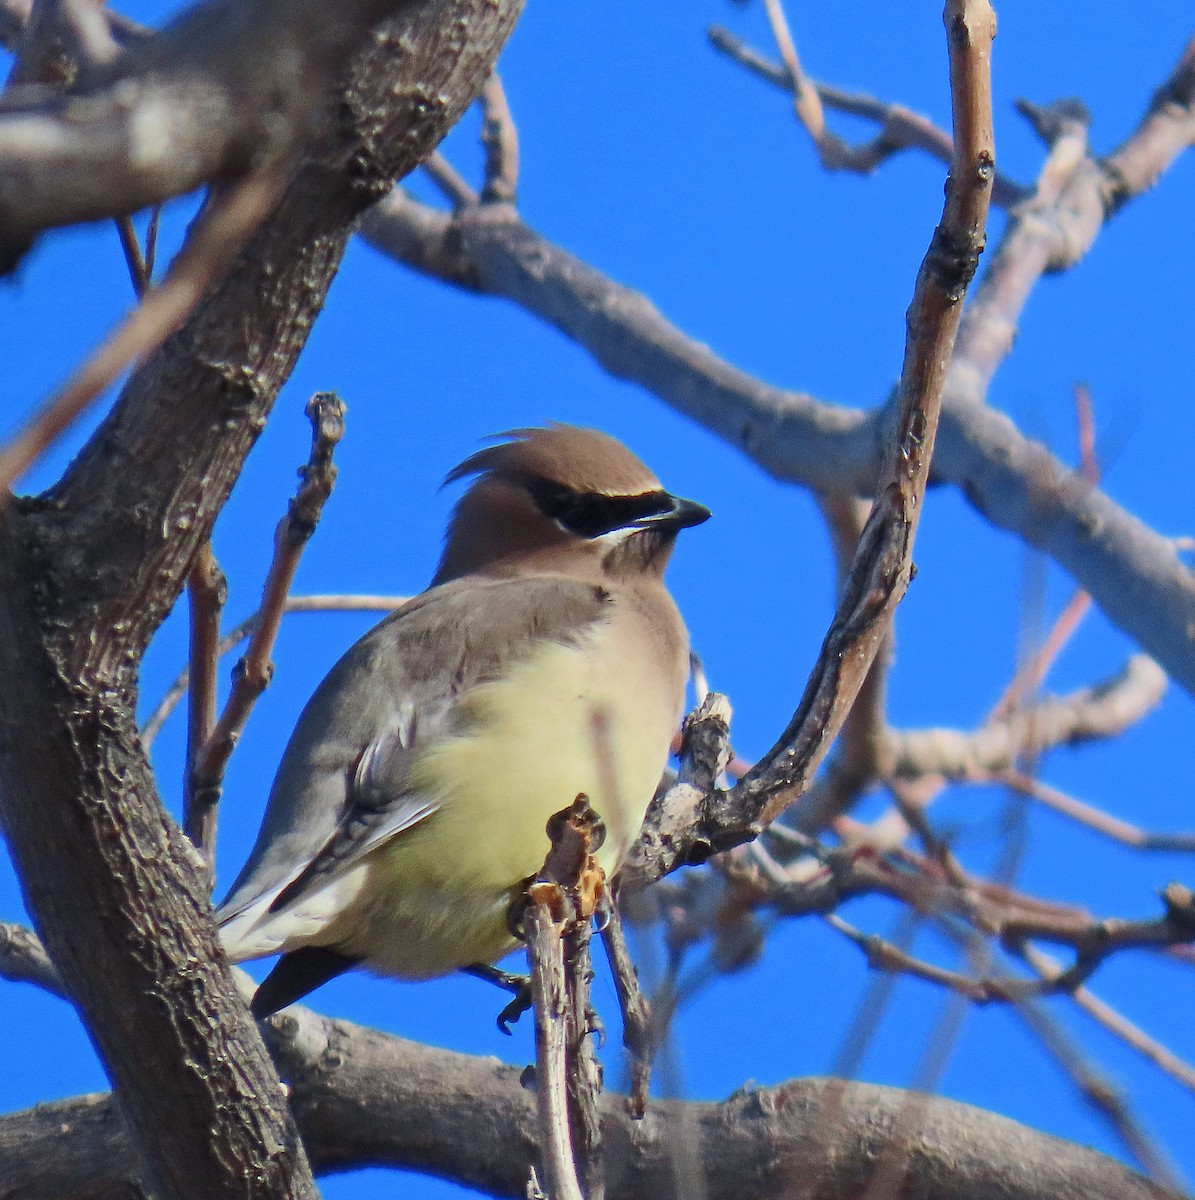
x=88 y=572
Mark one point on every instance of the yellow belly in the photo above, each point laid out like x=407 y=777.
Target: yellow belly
x=567 y=721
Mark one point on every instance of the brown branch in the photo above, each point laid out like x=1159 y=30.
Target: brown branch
x=449 y=180
x=207 y=593
x=138 y=272
x=365 y=1098
x=1104 y=710
x=231 y=640
x=88 y=573
x=545 y=952
x=883 y=560
x=637 y=1027
x=1015 y=483
x=554 y=916
x=900 y=128
x=209 y=251
x=1118 y=1025
x=254 y=671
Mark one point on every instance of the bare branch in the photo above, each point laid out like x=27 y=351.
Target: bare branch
x=210 y=249
x=636 y=1014
x=1014 y=482
x=23 y=959
x=451 y=183
x=362 y=1097
x=500 y=137
x=231 y=640
x=1117 y=1024
x=113 y=886
x=223 y=89
x=207 y=592
x=900 y=128
x=1096 y=818
x=253 y=673
x=1102 y=711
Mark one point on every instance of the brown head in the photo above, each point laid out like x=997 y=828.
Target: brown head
x=561 y=500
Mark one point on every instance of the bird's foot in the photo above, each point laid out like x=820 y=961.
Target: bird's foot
x=518 y=985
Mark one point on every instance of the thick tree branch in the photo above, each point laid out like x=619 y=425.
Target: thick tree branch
x=363 y=1098
x=88 y=572
x=222 y=88
x=1133 y=573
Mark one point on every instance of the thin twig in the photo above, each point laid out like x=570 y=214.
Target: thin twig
x=1116 y=1023
x=231 y=640
x=151 y=240
x=450 y=182
x=215 y=239
x=545 y=950
x=207 y=592
x=636 y=1012
x=901 y=128
x=806 y=102
x=255 y=669
x=500 y=137
x=1096 y=818
x=564 y=895
x=883 y=561
x=138 y=272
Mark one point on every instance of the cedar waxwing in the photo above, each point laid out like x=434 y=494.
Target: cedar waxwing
x=546 y=660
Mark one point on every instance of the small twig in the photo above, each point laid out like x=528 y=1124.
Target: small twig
x=1096 y=818
x=231 y=640
x=545 y=950
x=806 y=102
x=500 y=137
x=883 y=561
x=901 y=128
x=636 y=1012
x=207 y=592
x=216 y=237
x=452 y=184
x=564 y=894
x=1116 y=1023
x=23 y=959
x=138 y=271
x=151 y=240
x=253 y=672
x=585 y=1075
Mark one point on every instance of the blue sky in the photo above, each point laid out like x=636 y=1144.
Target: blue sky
x=663 y=165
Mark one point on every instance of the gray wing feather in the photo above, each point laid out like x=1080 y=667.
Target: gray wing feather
x=341 y=787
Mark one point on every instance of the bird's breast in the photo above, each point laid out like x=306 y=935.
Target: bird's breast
x=595 y=718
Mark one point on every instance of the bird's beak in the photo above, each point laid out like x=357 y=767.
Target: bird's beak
x=682 y=515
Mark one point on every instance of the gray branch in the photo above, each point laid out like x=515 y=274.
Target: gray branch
x=1133 y=572
x=363 y=1098
x=227 y=85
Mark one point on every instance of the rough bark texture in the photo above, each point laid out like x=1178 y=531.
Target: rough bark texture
x=363 y=1098
x=88 y=572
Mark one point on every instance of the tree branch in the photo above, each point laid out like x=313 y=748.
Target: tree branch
x=1133 y=573
x=223 y=88
x=364 y=1098
x=88 y=572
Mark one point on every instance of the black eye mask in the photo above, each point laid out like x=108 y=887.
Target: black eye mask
x=591 y=514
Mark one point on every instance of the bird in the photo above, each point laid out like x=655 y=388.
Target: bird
x=545 y=661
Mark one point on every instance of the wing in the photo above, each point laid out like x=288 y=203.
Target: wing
x=341 y=788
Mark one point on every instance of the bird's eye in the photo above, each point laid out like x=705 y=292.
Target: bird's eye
x=592 y=514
